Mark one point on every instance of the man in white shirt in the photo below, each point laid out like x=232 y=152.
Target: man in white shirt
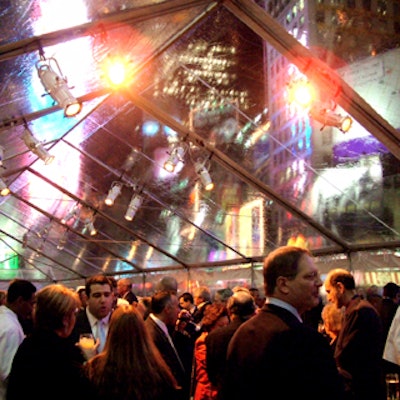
x=19 y=304
x=95 y=317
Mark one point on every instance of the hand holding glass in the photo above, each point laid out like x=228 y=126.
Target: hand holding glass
x=86 y=341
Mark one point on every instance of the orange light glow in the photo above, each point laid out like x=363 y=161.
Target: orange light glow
x=116 y=71
x=302 y=93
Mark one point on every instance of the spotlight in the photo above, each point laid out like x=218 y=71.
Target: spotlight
x=134 y=205
x=56 y=86
x=63 y=241
x=113 y=193
x=174 y=158
x=74 y=212
x=4 y=189
x=327 y=118
x=204 y=175
x=36 y=147
x=89 y=227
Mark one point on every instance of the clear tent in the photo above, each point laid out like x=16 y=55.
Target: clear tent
x=211 y=78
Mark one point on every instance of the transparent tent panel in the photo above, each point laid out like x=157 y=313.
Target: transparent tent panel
x=212 y=85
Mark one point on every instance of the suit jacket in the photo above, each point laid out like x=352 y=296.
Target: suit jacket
x=274 y=352
x=169 y=355
x=130 y=297
x=217 y=347
x=82 y=325
x=358 y=350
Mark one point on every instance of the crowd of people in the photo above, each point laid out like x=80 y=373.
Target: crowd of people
x=230 y=344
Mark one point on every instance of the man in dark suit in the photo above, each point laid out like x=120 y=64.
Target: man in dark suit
x=124 y=289
x=95 y=317
x=359 y=346
x=241 y=306
x=274 y=351
x=162 y=320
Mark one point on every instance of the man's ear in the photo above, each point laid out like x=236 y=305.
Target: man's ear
x=281 y=284
x=340 y=287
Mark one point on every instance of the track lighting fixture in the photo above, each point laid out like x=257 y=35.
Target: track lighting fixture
x=36 y=147
x=56 y=86
x=63 y=240
x=175 y=156
x=4 y=189
x=134 y=205
x=327 y=118
x=72 y=213
x=202 y=172
x=113 y=193
x=89 y=227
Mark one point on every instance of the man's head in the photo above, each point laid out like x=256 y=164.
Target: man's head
x=100 y=295
x=391 y=290
x=124 y=285
x=291 y=275
x=340 y=287
x=165 y=305
x=186 y=301
x=201 y=294
x=168 y=283
x=241 y=305
x=21 y=297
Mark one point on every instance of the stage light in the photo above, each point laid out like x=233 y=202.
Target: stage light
x=72 y=213
x=327 y=118
x=56 y=86
x=302 y=93
x=89 y=227
x=4 y=189
x=175 y=156
x=113 y=193
x=36 y=147
x=203 y=174
x=63 y=240
x=134 y=205
x=116 y=71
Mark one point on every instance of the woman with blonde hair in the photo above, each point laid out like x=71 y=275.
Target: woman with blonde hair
x=47 y=364
x=130 y=366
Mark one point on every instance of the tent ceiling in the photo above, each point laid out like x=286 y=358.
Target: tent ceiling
x=197 y=79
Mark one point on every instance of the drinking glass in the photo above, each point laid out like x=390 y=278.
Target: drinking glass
x=86 y=341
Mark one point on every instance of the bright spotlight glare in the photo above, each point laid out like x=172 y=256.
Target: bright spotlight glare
x=116 y=71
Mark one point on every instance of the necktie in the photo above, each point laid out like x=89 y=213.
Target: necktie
x=101 y=334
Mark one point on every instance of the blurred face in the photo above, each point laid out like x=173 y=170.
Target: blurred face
x=334 y=293
x=185 y=304
x=122 y=288
x=303 y=291
x=101 y=300
x=25 y=307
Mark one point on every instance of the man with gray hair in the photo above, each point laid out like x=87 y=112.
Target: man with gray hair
x=241 y=307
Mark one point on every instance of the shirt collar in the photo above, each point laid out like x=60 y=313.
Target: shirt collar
x=93 y=320
x=285 y=305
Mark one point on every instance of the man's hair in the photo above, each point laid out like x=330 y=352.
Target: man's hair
x=168 y=283
x=20 y=288
x=202 y=291
x=97 y=280
x=160 y=300
x=187 y=297
x=390 y=290
x=343 y=276
x=241 y=304
x=283 y=261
